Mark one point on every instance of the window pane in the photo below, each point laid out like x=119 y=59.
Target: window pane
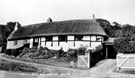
x=99 y=38
x=42 y=38
x=36 y=40
x=49 y=38
x=93 y=38
x=78 y=38
x=62 y=38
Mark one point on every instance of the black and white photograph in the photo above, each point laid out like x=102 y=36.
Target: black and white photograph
x=67 y=38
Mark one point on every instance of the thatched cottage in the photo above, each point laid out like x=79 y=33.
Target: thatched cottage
x=54 y=35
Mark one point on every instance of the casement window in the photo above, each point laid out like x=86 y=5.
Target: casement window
x=49 y=38
x=62 y=38
x=78 y=38
x=15 y=42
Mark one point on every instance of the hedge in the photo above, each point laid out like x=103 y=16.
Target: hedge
x=124 y=45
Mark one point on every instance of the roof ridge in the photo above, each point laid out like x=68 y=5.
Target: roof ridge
x=59 y=21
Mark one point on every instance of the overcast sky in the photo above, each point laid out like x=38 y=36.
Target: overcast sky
x=37 y=11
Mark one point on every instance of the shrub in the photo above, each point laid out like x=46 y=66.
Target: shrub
x=60 y=53
x=124 y=45
x=34 y=53
x=81 y=50
x=24 y=51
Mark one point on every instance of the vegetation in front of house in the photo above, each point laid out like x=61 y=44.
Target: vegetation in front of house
x=57 y=57
x=124 y=45
x=14 y=66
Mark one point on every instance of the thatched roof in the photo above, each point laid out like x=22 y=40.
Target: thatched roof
x=70 y=27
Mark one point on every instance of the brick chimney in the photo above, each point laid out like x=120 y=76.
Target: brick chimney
x=17 y=25
x=49 y=20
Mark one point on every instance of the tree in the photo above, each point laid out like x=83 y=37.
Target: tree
x=103 y=23
x=9 y=27
x=128 y=30
x=115 y=30
x=111 y=30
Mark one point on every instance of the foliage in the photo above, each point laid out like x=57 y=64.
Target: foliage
x=34 y=53
x=124 y=45
x=103 y=23
x=112 y=30
x=128 y=30
x=14 y=66
x=60 y=53
x=117 y=30
x=81 y=50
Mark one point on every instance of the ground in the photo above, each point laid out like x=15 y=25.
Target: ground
x=104 y=69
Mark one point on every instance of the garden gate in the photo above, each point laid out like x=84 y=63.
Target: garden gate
x=84 y=61
x=125 y=61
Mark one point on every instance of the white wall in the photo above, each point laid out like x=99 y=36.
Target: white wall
x=10 y=44
x=71 y=44
x=48 y=44
x=94 y=44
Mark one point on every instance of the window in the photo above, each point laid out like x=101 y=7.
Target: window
x=25 y=41
x=15 y=42
x=93 y=38
x=42 y=38
x=49 y=38
x=62 y=38
x=79 y=38
x=99 y=38
x=36 y=40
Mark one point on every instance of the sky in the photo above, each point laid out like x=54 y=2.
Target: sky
x=37 y=11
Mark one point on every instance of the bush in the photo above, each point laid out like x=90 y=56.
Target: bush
x=124 y=45
x=34 y=53
x=81 y=50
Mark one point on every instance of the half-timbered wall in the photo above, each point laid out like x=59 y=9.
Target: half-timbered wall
x=57 y=42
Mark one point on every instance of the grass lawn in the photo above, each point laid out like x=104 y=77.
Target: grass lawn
x=16 y=67
x=50 y=61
